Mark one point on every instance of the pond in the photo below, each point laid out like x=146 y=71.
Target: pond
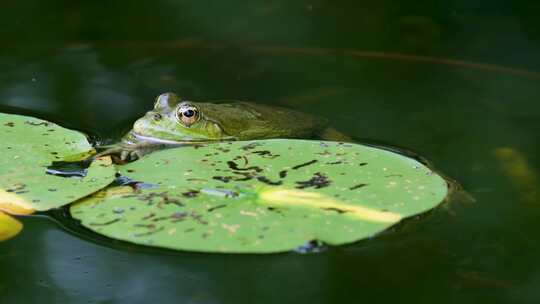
x=453 y=81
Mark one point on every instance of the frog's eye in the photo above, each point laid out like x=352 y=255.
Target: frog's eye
x=187 y=114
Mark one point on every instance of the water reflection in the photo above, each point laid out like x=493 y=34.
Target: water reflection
x=70 y=270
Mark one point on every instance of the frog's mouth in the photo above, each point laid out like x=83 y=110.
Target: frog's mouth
x=139 y=137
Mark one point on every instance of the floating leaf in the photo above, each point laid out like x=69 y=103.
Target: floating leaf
x=9 y=227
x=29 y=145
x=261 y=196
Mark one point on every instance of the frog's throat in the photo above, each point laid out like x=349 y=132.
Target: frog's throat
x=134 y=138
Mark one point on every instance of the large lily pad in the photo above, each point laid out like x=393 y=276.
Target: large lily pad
x=261 y=196
x=28 y=146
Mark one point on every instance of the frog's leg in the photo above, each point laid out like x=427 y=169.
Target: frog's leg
x=334 y=135
x=133 y=151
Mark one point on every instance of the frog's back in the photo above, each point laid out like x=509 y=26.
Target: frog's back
x=245 y=120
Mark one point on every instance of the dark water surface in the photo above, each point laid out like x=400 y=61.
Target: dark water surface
x=454 y=81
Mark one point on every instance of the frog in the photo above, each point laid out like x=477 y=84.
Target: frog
x=175 y=122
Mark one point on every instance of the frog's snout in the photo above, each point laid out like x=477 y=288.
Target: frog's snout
x=141 y=125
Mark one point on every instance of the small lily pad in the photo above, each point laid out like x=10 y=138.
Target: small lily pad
x=261 y=196
x=29 y=145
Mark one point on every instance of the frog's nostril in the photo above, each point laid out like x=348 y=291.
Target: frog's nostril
x=157 y=116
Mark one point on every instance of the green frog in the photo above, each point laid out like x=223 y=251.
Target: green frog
x=176 y=122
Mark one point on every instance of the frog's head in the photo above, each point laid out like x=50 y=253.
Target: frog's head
x=174 y=119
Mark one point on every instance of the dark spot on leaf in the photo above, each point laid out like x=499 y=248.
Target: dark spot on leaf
x=105 y=223
x=178 y=216
x=224 y=179
x=16 y=188
x=325 y=152
x=161 y=199
x=357 y=186
x=148 y=216
x=250 y=146
x=9 y=124
x=232 y=165
x=243 y=157
x=283 y=173
x=216 y=207
x=154 y=231
x=266 y=154
x=52 y=189
x=317 y=181
x=198 y=218
x=311 y=162
x=394 y=175
x=340 y=211
x=149 y=226
x=191 y=193
x=276 y=210
x=264 y=179
x=334 y=163
x=161 y=218
x=362 y=164
x=246 y=176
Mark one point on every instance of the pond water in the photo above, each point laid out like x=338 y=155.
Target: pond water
x=454 y=81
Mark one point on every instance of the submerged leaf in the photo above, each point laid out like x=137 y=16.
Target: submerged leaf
x=261 y=196
x=29 y=146
x=9 y=227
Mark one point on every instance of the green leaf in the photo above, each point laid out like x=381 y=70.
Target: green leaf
x=29 y=145
x=261 y=196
